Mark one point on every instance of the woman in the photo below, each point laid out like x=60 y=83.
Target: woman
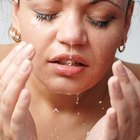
x=56 y=87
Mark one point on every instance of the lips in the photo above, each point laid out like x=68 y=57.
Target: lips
x=68 y=65
x=69 y=60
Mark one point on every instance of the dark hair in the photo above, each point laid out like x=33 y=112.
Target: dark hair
x=129 y=2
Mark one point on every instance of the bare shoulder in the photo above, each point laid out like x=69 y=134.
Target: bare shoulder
x=5 y=49
x=135 y=68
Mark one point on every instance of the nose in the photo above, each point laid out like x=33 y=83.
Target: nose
x=72 y=31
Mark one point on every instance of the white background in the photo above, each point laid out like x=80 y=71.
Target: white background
x=131 y=53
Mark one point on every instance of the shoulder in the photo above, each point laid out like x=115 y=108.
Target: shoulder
x=5 y=49
x=135 y=68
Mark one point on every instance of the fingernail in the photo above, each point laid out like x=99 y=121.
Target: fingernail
x=121 y=68
x=20 y=46
x=28 y=50
x=25 y=66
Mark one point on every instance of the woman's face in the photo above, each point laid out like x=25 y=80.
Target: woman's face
x=75 y=40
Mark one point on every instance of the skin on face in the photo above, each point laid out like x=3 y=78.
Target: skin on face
x=92 y=30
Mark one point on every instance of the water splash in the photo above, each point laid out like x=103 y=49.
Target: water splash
x=78 y=113
x=55 y=110
x=77 y=100
x=101 y=102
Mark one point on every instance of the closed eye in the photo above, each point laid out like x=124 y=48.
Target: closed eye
x=100 y=24
x=47 y=17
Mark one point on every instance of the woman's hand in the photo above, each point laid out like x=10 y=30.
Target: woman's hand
x=122 y=120
x=16 y=122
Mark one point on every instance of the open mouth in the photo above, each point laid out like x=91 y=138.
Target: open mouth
x=74 y=60
x=69 y=63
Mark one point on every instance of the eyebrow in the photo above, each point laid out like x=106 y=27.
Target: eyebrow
x=96 y=1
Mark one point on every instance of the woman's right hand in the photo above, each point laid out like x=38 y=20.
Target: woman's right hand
x=16 y=122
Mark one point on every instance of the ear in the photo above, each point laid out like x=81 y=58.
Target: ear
x=128 y=21
x=15 y=10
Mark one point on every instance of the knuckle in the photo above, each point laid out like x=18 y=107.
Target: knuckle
x=16 y=117
x=18 y=61
x=14 y=122
x=135 y=103
x=127 y=120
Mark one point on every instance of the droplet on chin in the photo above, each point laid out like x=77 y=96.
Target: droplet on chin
x=55 y=110
x=77 y=100
x=78 y=113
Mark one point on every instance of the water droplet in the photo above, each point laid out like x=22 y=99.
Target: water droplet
x=55 y=110
x=51 y=135
x=77 y=100
x=70 y=52
x=69 y=62
x=100 y=102
x=78 y=113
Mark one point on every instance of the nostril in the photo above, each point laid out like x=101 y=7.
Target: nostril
x=72 y=38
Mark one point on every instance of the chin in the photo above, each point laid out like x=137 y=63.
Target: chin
x=67 y=87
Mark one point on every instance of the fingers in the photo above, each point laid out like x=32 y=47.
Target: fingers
x=10 y=96
x=15 y=70
x=19 y=115
x=124 y=98
x=27 y=53
x=111 y=126
x=6 y=62
x=120 y=104
x=135 y=82
x=129 y=89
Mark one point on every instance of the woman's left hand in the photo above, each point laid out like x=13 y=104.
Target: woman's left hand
x=122 y=120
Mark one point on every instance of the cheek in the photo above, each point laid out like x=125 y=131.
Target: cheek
x=36 y=32
x=105 y=45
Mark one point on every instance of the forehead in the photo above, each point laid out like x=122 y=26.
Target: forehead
x=120 y=3
x=114 y=1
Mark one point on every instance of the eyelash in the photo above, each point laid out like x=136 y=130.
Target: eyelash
x=100 y=24
x=47 y=17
